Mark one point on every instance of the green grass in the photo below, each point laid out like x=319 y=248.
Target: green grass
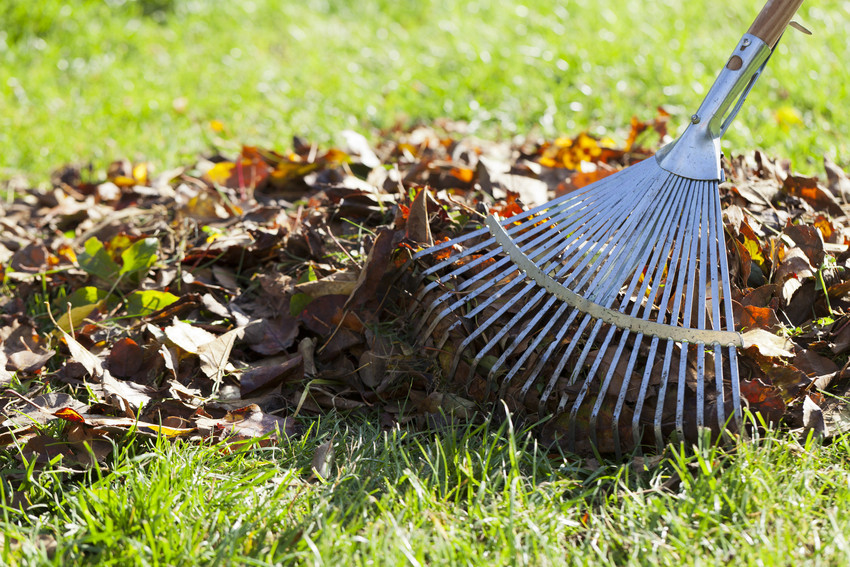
x=97 y=80
x=106 y=79
x=469 y=495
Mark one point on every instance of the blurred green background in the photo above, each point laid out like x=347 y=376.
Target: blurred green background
x=97 y=80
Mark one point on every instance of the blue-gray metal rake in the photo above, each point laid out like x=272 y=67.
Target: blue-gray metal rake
x=611 y=304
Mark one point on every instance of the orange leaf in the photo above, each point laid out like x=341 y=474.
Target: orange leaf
x=69 y=414
x=463 y=174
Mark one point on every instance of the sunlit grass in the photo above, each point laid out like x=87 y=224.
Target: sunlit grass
x=97 y=80
x=469 y=494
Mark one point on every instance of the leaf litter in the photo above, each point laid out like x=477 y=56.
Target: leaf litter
x=221 y=300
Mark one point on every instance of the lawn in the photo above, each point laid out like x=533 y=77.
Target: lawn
x=97 y=80
x=468 y=495
x=163 y=81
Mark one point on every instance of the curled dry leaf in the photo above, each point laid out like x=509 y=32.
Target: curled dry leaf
x=767 y=344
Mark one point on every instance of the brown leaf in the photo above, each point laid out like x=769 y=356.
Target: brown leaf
x=763 y=296
x=813 y=419
x=92 y=364
x=267 y=376
x=765 y=344
x=814 y=364
x=790 y=381
x=27 y=361
x=373 y=270
x=840 y=336
x=338 y=283
x=251 y=423
x=215 y=355
x=806 y=304
x=764 y=399
x=323 y=314
x=807 y=189
x=124 y=395
x=5 y=375
x=125 y=359
x=342 y=341
x=809 y=240
x=188 y=337
x=837 y=180
x=751 y=317
x=69 y=414
x=88 y=454
x=272 y=336
x=323 y=459
x=740 y=262
x=757 y=191
x=418 y=227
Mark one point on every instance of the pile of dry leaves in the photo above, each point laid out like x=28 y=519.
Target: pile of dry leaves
x=222 y=300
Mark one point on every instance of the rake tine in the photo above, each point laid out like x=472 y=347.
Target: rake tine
x=659 y=235
x=550 y=243
x=632 y=221
x=599 y=226
x=730 y=322
x=654 y=273
x=484 y=326
x=467 y=266
x=531 y=324
x=674 y=262
x=693 y=260
x=703 y=272
x=688 y=245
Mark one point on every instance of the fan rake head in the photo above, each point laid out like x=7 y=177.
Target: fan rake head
x=608 y=309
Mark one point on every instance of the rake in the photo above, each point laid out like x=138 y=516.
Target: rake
x=610 y=307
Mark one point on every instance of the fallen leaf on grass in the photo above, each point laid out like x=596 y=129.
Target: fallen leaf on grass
x=125 y=358
x=215 y=355
x=271 y=336
x=813 y=418
x=249 y=423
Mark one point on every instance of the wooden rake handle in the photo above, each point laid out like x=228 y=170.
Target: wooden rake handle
x=773 y=19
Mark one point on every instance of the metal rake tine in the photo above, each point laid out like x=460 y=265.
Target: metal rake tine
x=483 y=327
x=530 y=324
x=651 y=259
x=549 y=244
x=599 y=226
x=599 y=193
x=701 y=318
x=719 y=259
x=494 y=340
x=687 y=251
x=730 y=320
x=535 y=228
x=483 y=231
x=648 y=290
x=449 y=243
x=672 y=264
x=688 y=309
x=565 y=356
x=591 y=267
x=449 y=294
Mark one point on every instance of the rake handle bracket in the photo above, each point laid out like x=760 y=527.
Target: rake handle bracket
x=601 y=313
